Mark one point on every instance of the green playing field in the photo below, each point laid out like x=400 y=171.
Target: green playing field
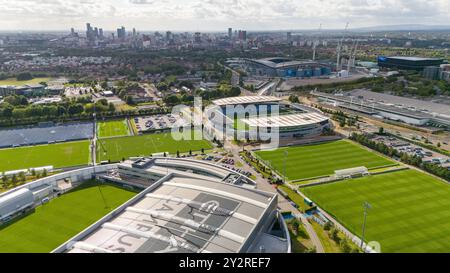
x=57 y=155
x=54 y=223
x=112 y=128
x=115 y=149
x=410 y=210
x=321 y=159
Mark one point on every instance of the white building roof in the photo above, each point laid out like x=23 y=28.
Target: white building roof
x=183 y=215
x=351 y=171
x=293 y=120
x=246 y=100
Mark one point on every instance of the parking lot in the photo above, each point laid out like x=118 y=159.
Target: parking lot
x=413 y=150
x=158 y=122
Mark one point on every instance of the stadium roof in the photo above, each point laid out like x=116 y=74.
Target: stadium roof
x=293 y=120
x=278 y=63
x=414 y=59
x=246 y=100
x=182 y=215
x=183 y=212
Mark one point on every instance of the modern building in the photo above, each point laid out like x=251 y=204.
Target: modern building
x=27 y=89
x=263 y=117
x=408 y=63
x=18 y=201
x=407 y=110
x=230 y=33
x=285 y=67
x=187 y=206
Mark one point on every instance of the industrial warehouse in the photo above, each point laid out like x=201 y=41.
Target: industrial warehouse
x=184 y=206
x=407 y=110
x=263 y=116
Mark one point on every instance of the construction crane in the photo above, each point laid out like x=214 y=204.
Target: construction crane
x=339 y=48
x=352 y=56
x=315 y=44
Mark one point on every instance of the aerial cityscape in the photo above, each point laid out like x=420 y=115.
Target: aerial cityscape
x=225 y=127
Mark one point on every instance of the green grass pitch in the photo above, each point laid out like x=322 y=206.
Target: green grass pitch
x=115 y=149
x=112 y=128
x=54 y=223
x=57 y=155
x=321 y=159
x=410 y=210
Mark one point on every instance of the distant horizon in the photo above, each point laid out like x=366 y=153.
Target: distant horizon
x=410 y=27
x=218 y=15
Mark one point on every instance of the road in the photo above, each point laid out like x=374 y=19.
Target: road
x=283 y=203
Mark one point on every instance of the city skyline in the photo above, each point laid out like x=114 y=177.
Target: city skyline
x=214 y=15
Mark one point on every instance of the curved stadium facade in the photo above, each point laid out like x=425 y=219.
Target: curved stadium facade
x=285 y=67
x=231 y=116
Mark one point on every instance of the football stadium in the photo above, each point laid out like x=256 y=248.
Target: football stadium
x=167 y=205
x=260 y=117
x=286 y=67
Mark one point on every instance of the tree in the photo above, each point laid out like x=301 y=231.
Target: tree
x=335 y=235
x=328 y=225
x=345 y=246
x=294 y=99
x=44 y=173
x=22 y=177
x=14 y=179
x=381 y=131
x=24 y=76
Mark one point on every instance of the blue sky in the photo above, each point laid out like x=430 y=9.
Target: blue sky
x=211 y=15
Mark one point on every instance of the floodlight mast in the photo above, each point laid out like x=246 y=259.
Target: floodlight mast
x=286 y=153
x=366 y=206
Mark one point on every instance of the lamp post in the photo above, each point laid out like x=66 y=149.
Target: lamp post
x=286 y=153
x=366 y=206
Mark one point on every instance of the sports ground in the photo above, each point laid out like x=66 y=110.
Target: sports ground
x=14 y=81
x=54 y=223
x=410 y=210
x=56 y=155
x=112 y=128
x=115 y=149
x=321 y=159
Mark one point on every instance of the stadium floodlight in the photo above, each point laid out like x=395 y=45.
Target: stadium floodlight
x=286 y=153
x=366 y=206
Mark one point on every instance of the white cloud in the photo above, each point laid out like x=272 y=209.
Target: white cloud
x=219 y=14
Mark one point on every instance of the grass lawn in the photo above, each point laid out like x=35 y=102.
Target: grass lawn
x=115 y=149
x=14 y=81
x=52 y=224
x=57 y=155
x=112 y=128
x=410 y=210
x=321 y=159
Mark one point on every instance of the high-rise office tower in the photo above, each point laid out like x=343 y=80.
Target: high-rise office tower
x=198 y=38
x=230 y=32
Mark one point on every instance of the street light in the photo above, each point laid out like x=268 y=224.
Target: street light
x=286 y=153
x=366 y=206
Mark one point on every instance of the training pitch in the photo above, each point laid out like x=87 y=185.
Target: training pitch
x=321 y=159
x=57 y=155
x=115 y=149
x=410 y=210
x=112 y=128
x=54 y=223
